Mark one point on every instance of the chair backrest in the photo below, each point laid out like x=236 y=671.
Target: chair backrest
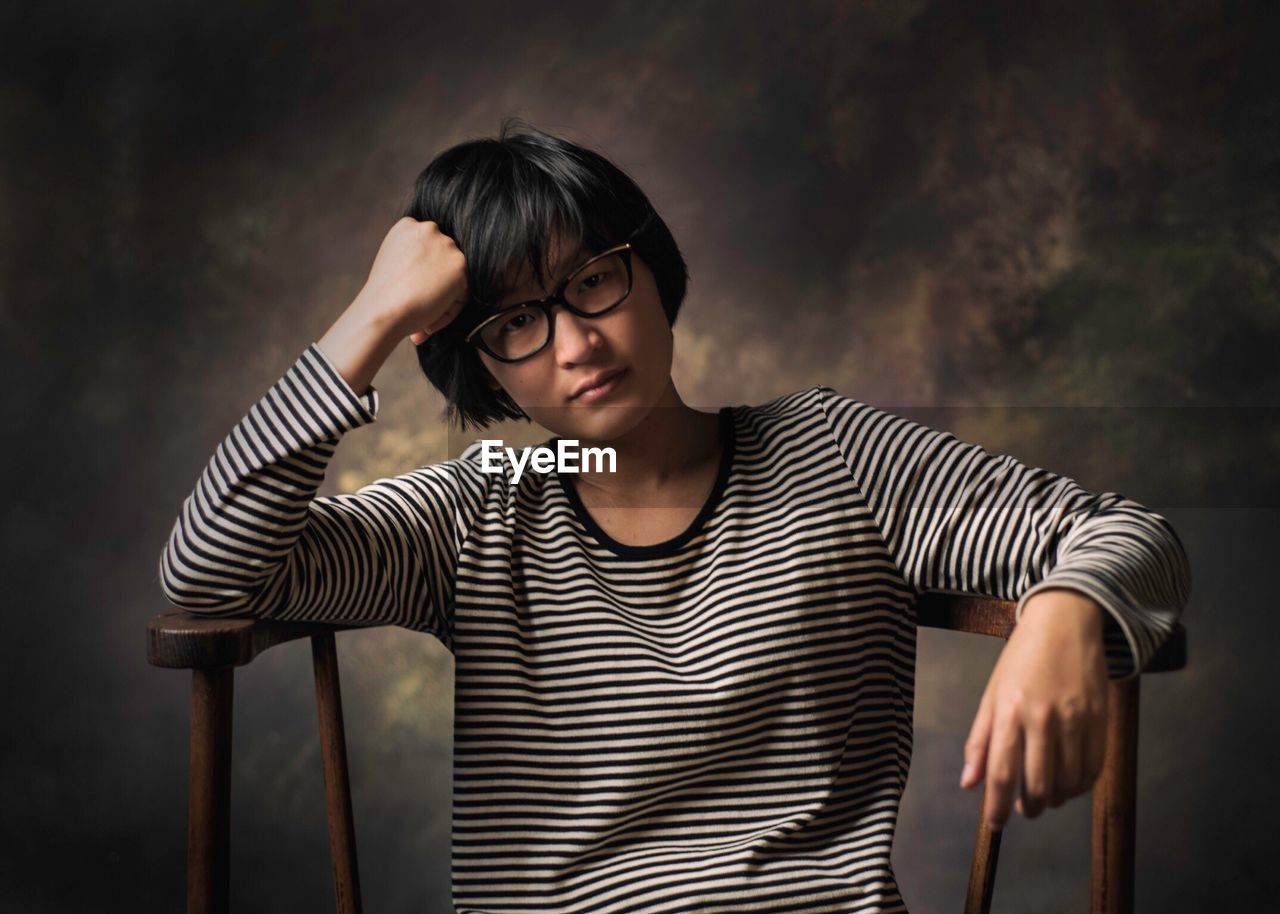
x=211 y=647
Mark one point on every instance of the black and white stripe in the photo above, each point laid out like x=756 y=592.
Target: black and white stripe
x=721 y=722
x=253 y=539
x=959 y=519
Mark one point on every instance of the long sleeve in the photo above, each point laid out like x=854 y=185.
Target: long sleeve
x=957 y=518
x=254 y=539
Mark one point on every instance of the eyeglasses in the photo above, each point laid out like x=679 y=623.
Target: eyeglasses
x=591 y=290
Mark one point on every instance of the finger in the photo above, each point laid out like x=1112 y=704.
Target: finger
x=975 y=746
x=453 y=311
x=1039 y=739
x=1073 y=738
x=1004 y=761
x=418 y=336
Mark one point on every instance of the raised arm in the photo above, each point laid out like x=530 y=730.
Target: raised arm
x=957 y=518
x=254 y=539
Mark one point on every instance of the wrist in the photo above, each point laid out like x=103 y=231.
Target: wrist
x=359 y=343
x=1062 y=603
x=370 y=310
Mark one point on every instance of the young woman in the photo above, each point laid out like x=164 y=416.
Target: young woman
x=685 y=684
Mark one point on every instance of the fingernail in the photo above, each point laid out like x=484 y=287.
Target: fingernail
x=966 y=774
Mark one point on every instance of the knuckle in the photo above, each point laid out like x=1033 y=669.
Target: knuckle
x=1040 y=714
x=1000 y=780
x=1071 y=711
x=1013 y=701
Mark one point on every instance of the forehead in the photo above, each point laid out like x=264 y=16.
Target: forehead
x=522 y=285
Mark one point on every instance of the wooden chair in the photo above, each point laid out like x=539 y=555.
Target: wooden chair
x=212 y=648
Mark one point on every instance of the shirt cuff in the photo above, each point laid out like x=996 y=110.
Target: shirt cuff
x=354 y=409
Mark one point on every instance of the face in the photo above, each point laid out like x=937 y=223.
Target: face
x=633 y=337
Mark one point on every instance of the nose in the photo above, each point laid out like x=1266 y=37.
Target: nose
x=575 y=338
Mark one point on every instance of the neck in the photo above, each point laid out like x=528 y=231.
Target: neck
x=672 y=441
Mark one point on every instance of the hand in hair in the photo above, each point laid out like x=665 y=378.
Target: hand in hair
x=419 y=277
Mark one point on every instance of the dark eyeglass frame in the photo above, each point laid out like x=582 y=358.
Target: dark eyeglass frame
x=555 y=298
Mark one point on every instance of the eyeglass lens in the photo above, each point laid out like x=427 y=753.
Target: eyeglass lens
x=596 y=286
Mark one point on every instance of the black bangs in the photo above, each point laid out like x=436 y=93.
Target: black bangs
x=504 y=201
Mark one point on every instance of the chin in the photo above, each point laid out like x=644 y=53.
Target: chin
x=600 y=423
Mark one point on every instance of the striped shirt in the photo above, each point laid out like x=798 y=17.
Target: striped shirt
x=721 y=722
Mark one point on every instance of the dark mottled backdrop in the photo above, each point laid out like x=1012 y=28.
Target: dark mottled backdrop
x=1066 y=211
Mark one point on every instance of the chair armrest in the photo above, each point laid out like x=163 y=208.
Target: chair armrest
x=991 y=616
x=183 y=640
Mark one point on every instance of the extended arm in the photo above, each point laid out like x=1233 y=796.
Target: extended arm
x=1099 y=579
x=957 y=518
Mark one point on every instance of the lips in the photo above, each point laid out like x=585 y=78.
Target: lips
x=595 y=381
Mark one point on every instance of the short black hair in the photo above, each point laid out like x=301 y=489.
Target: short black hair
x=502 y=200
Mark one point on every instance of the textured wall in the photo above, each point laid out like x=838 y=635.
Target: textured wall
x=1051 y=228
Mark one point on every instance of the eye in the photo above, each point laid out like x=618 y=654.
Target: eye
x=513 y=324
x=594 y=279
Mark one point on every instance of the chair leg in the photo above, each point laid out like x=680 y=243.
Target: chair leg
x=337 y=783
x=1115 y=805
x=209 y=803
x=982 y=871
